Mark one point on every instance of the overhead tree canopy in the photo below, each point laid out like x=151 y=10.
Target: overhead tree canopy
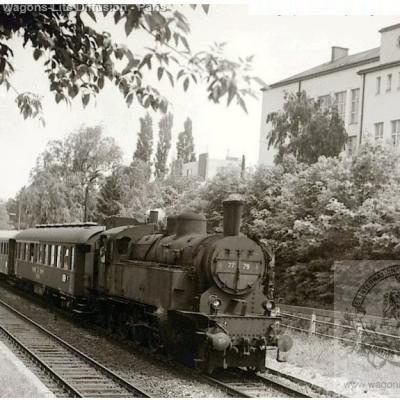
x=78 y=59
x=306 y=129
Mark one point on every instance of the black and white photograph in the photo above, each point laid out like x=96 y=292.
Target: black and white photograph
x=200 y=200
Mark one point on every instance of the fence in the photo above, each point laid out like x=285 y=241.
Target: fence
x=340 y=326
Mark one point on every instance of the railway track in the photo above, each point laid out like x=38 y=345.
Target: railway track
x=240 y=383
x=73 y=373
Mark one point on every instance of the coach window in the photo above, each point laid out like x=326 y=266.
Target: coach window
x=46 y=254
x=31 y=253
x=66 y=257
x=40 y=254
x=1 y=248
x=56 y=255
x=72 y=265
x=52 y=255
x=59 y=256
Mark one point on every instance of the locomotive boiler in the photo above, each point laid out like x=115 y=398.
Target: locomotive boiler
x=198 y=296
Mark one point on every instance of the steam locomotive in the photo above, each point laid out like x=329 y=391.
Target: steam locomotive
x=198 y=297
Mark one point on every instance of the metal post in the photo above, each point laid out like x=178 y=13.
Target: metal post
x=312 y=323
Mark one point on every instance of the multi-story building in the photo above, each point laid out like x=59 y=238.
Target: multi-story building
x=365 y=87
x=205 y=168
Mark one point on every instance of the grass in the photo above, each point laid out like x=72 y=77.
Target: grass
x=344 y=369
x=16 y=380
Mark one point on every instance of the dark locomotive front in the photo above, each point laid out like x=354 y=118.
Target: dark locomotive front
x=200 y=295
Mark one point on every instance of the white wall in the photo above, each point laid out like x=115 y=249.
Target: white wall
x=323 y=85
x=390 y=49
x=383 y=107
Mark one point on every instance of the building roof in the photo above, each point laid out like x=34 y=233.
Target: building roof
x=345 y=62
x=60 y=235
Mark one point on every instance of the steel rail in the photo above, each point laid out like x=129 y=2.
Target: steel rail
x=99 y=367
x=255 y=382
x=73 y=392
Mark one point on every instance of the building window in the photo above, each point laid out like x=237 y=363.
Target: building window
x=389 y=83
x=324 y=101
x=355 y=101
x=351 y=144
x=396 y=132
x=378 y=85
x=378 y=132
x=340 y=101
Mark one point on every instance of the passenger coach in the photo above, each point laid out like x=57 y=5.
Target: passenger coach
x=7 y=249
x=57 y=260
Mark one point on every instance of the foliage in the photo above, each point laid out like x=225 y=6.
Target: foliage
x=227 y=181
x=163 y=145
x=185 y=144
x=180 y=194
x=66 y=174
x=4 y=218
x=306 y=129
x=110 y=196
x=144 y=146
x=79 y=59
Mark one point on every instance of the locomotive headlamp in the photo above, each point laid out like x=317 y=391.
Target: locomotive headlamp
x=215 y=303
x=268 y=305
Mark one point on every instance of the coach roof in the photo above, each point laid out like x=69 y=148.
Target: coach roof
x=75 y=235
x=5 y=235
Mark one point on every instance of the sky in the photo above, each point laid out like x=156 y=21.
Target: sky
x=282 y=46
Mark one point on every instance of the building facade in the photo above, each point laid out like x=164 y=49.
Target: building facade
x=364 y=86
x=205 y=168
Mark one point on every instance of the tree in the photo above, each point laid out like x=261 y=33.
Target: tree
x=306 y=129
x=110 y=196
x=163 y=146
x=66 y=174
x=4 y=218
x=185 y=144
x=144 y=145
x=79 y=59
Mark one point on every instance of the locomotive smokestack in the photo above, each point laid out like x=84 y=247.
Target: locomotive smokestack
x=232 y=216
x=153 y=217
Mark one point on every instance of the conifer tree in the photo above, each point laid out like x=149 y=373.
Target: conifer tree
x=144 y=146
x=185 y=145
x=163 y=146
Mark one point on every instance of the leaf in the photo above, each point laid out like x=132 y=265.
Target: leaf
x=37 y=53
x=129 y=99
x=180 y=74
x=100 y=82
x=91 y=13
x=170 y=77
x=160 y=72
x=242 y=103
x=231 y=92
x=129 y=24
x=185 y=84
x=85 y=99
x=185 y=42
x=59 y=97
x=205 y=7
